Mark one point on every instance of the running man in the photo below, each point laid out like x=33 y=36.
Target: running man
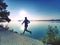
x=26 y=22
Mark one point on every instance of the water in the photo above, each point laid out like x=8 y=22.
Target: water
x=38 y=28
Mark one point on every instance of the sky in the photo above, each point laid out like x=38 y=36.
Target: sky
x=34 y=9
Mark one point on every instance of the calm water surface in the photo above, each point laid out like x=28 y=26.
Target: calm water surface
x=38 y=28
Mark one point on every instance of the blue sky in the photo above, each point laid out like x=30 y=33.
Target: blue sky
x=36 y=9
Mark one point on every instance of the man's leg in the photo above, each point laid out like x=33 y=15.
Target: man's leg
x=28 y=30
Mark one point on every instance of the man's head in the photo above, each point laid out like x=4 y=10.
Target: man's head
x=25 y=18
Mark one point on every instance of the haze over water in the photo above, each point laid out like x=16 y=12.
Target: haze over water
x=38 y=28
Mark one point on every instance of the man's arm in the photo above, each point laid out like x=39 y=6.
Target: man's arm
x=28 y=21
x=23 y=22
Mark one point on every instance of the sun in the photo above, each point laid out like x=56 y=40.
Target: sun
x=22 y=14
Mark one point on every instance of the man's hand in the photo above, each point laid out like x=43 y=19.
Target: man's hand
x=21 y=23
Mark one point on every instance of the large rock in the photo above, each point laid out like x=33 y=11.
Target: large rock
x=11 y=38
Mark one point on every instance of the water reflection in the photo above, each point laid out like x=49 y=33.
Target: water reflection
x=38 y=28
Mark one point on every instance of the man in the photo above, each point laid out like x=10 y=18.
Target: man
x=26 y=22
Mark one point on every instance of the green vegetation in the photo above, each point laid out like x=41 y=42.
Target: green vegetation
x=3 y=12
x=51 y=35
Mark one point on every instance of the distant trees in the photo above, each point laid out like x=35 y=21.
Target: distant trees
x=3 y=12
x=51 y=35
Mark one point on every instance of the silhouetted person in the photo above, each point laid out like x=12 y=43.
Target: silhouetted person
x=26 y=22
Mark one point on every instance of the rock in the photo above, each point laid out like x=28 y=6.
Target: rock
x=11 y=38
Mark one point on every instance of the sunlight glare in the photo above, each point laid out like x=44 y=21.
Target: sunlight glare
x=22 y=27
x=22 y=14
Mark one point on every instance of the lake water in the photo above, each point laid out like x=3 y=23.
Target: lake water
x=38 y=28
